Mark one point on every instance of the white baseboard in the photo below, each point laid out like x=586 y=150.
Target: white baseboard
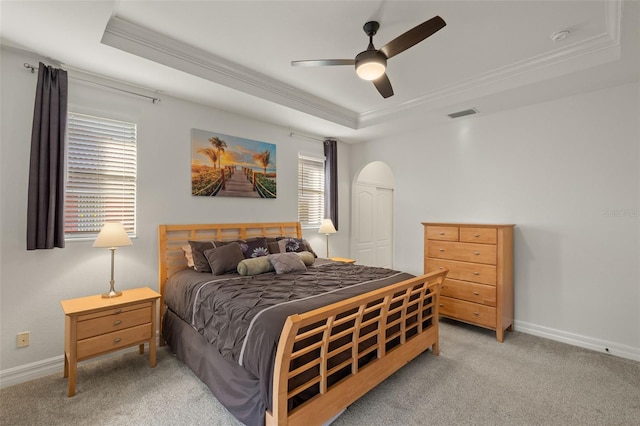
x=597 y=345
x=47 y=367
x=34 y=370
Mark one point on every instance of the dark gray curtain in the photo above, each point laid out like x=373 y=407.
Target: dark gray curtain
x=45 y=205
x=331 y=181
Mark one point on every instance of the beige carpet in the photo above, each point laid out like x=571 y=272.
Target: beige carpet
x=526 y=380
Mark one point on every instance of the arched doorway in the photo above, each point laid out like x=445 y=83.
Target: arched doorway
x=373 y=212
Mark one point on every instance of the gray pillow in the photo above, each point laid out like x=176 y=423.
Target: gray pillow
x=286 y=262
x=224 y=259
x=255 y=266
x=200 y=262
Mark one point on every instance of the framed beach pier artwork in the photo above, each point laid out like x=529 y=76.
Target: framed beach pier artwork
x=231 y=166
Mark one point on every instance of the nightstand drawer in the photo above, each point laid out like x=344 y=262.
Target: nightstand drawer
x=469 y=312
x=479 y=235
x=475 y=272
x=113 y=321
x=112 y=341
x=443 y=233
x=472 y=292
x=465 y=252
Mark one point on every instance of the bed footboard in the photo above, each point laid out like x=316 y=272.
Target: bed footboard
x=333 y=355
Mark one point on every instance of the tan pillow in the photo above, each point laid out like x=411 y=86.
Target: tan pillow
x=255 y=266
x=188 y=255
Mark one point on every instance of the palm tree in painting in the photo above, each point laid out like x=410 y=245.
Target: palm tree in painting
x=219 y=145
x=264 y=159
x=211 y=153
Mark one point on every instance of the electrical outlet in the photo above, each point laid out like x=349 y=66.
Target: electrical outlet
x=23 y=339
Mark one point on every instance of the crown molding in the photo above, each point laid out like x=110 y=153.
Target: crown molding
x=146 y=43
x=594 y=51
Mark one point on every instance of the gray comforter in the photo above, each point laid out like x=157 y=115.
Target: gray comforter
x=243 y=316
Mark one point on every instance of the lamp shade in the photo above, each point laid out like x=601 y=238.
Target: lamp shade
x=326 y=227
x=112 y=234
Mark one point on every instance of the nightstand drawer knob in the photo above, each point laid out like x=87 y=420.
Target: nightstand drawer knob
x=441 y=305
x=475 y=293
x=476 y=273
x=476 y=235
x=441 y=233
x=441 y=249
x=119 y=311
x=440 y=267
x=117 y=322
x=476 y=314
x=117 y=340
x=476 y=253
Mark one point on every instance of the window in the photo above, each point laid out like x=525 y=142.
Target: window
x=101 y=175
x=310 y=191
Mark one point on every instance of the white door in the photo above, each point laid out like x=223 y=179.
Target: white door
x=373 y=226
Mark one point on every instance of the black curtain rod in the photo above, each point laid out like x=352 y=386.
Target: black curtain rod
x=153 y=100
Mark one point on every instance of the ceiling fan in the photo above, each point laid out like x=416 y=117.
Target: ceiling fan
x=371 y=64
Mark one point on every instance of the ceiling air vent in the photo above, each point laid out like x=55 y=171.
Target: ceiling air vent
x=469 y=111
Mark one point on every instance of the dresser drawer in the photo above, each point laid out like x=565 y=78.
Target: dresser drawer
x=476 y=272
x=112 y=341
x=472 y=292
x=466 y=311
x=465 y=252
x=445 y=233
x=479 y=235
x=113 y=321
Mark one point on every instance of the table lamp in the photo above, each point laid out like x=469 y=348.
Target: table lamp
x=326 y=227
x=112 y=235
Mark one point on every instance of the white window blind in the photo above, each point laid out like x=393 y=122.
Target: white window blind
x=101 y=175
x=310 y=191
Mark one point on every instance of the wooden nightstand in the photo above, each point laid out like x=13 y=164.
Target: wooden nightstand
x=95 y=325
x=343 y=260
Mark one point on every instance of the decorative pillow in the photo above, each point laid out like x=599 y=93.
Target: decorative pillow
x=289 y=244
x=286 y=262
x=224 y=259
x=188 y=255
x=255 y=266
x=254 y=247
x=274 y=248
x=200 y=262
x=307 y=257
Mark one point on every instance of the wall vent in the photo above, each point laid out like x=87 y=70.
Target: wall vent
x=469 y=111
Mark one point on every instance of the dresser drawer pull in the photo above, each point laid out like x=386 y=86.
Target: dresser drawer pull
x=119 y=311
x=117 y=322
x=117 y=340
x=441 y=305
x=440 y=267
x=476 y=273
x=441 y=233
x=476 y=253
x=441 y=250
x=475 y=293
x=476 y=235
x=476 y=313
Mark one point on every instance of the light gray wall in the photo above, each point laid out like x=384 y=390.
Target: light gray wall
x=33 y=282
x=567 y=174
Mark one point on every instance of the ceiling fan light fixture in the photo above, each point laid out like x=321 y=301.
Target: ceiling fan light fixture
x=370 y=65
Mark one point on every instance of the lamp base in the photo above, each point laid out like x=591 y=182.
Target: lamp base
x=111 y=294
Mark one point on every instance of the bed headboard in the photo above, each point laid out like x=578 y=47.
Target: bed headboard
x=172 y=237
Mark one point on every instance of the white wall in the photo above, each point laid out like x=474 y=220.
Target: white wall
x=32 y=283
x=560 y=171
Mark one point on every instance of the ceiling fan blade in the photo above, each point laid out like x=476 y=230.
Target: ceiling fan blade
x=412 y=37
x=323 y=62
x=384 y=86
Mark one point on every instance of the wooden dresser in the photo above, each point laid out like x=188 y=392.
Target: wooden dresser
x=479 y=286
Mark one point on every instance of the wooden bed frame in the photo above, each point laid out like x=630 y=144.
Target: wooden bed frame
x=342 y=350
